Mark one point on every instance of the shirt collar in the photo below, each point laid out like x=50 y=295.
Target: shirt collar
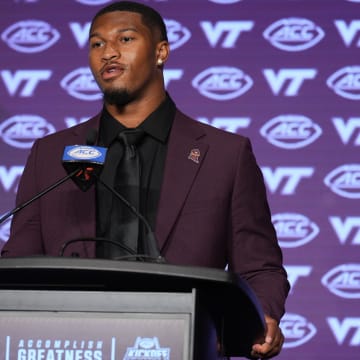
x=157 y=124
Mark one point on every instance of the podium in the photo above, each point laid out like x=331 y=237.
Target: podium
x=93 y=309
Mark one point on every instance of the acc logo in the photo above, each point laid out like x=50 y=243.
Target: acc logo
x=21 y=131
x=147 y=348
x=291 y=131
x=346 y=82
x=344 y=281
x=345 y=181
x=297 y=330
x=84 y=153
x=178 y=35
x=5 y=230
x=93 y=2
x=30 y=36
x=293 y=34
x=80 y=84
x=294 y=230
x=222 y=83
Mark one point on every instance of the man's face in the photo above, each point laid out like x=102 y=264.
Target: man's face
x=123 y=56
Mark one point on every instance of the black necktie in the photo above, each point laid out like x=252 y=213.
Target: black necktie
x=124 y=226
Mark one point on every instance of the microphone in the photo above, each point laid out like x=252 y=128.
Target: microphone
x=73 y=169
x=88 y=160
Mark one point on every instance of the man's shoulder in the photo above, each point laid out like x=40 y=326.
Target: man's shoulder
x=212 y=132
x=69 y=136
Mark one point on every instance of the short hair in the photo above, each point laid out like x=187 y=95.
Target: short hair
x=149 y=16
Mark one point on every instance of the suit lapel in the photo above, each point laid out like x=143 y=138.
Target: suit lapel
x=186 y=152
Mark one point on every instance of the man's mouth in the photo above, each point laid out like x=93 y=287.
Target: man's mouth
x=111 y=71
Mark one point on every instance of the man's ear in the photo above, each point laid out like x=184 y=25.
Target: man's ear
x=162 y=52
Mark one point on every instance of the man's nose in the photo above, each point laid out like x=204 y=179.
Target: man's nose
x=110 y=52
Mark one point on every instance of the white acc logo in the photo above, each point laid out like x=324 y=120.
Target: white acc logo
x=222 y=83
x=291 y=131
x=344 y=281
x=84 y=153
x=345 y=181
x=81 y=84
x=293 y=34
x=346 y=82
x=297 y=330
x=294 y=230
x=21 y=131
x=30 y=36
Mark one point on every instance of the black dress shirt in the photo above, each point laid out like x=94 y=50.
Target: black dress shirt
x=152 y=151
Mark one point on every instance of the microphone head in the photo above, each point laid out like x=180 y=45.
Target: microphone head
x=88 y=159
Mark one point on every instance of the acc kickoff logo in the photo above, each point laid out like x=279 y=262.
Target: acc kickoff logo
x=147 y=349
x=21 y=131
x=294 y=230
x=178 y=35
x=291 y=131
x=222 y=83
x=345 y=181
x=346 y=82
x=343 y=281
x=293 y=34
x=30 y=36
x=297 y=330
x=80 y=84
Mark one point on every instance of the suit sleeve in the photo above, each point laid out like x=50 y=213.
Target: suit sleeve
x=254 y=250
x=25 y=232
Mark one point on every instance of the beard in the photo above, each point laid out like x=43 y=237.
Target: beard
x=118 y=97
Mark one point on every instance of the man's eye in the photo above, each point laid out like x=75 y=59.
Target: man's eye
x=96 y=44
x=126 y=39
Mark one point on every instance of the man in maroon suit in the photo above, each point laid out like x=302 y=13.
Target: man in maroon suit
x=201 y=188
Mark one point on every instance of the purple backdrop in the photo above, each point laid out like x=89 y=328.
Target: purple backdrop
x=286 y=73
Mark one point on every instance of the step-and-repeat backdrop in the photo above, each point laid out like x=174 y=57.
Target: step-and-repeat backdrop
x=285 y=73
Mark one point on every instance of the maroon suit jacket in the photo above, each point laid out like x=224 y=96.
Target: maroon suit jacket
x=212 y=211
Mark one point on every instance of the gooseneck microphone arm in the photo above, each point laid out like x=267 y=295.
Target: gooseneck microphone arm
x=153 y=251
x=132 y=253
x=39 y=195
x=96 y=239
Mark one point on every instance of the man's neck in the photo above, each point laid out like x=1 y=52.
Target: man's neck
x=134 y=113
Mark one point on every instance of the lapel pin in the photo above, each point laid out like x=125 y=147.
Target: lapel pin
x=194 y=155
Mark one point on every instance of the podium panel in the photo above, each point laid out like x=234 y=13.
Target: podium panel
x=96 y=326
